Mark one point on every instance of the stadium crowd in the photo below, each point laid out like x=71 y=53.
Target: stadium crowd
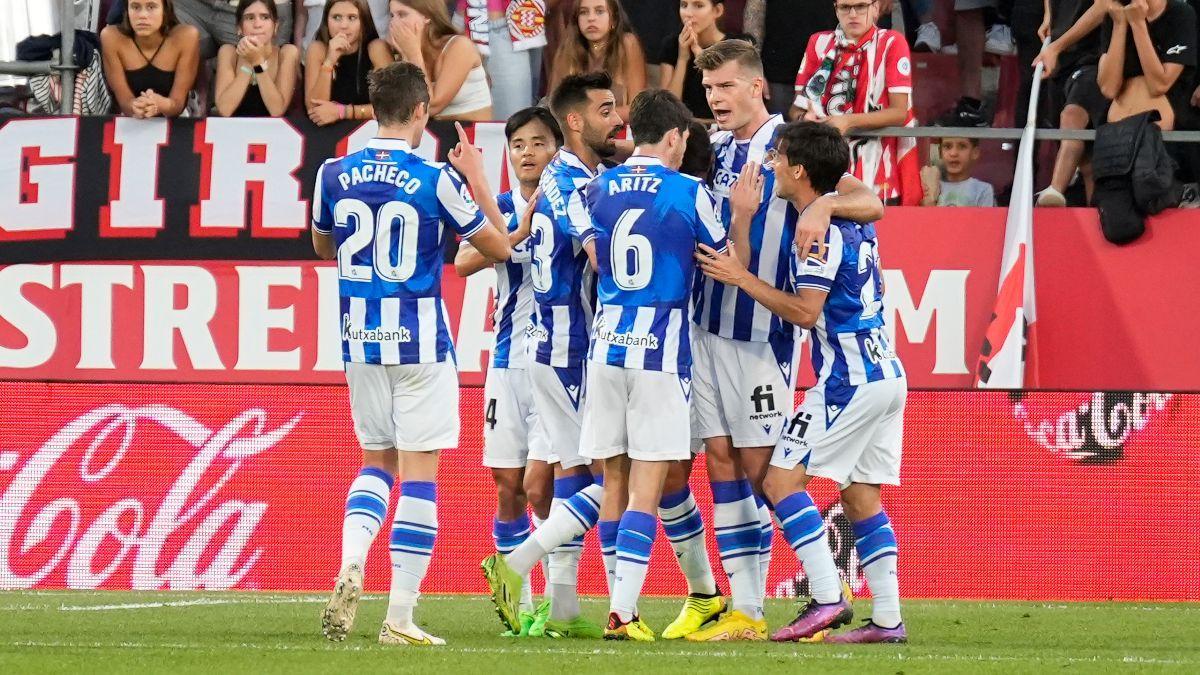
x=837 y=62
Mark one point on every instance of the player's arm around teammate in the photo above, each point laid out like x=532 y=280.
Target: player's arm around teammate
x=849 y=426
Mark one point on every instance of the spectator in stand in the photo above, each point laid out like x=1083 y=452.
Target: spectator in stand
x=600 y=38
x=256 y=78
x=150 y=60
x=968 y=26
x=783 y=28
x=217 y=22
x=344 y=50
x=307 y=21
x=421 y=33
x=653 y=21
x=1150 y=59
x=859 y=76
x=952 y=184
x=1069 y=68
x=701 y=29
x=512 y=41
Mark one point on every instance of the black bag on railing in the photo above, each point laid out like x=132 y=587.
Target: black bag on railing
x=1135 y=176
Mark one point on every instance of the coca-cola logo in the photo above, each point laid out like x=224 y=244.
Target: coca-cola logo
x=131 y=531
x=1095 y=430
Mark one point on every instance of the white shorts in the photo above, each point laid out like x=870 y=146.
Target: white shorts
x=558 y=400
x=409 y=407
x=641 y=413
x=859 y=442
x=511 y=433
x=743 y=390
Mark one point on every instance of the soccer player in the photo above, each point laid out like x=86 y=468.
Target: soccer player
x=744 y=357
x=383 y=213
x=514 y=446
x=563 y=285
x=647 y=219
x=849 y=428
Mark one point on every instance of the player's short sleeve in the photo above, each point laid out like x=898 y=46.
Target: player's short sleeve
x=579 y=219
x=817 y=271
x=898 y=66
x=708 y=227
x=808 y=68
x=456 y=206
x=322 y=207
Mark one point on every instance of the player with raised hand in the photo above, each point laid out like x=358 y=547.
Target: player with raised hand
x=744 y=357
x=563 y=285
x=383 y=213
x=514 y=445
x=849 y=428
x=647 y=219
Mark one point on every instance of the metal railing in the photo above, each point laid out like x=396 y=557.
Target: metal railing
x=65 y=66
x=1006 y=134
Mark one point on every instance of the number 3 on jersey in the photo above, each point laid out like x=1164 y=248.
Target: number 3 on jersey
x=397 y=222
x=631 y=255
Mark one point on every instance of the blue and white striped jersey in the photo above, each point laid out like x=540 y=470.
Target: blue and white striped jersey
x=850 y=346
x=514 y=292
x=647 y=220
x=387 y=210
x=563 y=281
x=728 y=311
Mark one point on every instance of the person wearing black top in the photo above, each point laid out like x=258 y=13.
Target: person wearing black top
x=785 y=27
x=678 y=73
x=345 y=48
x=256 y=78
x=1150 y=60
x=150 y=59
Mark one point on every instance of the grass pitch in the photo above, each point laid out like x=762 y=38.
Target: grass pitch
x=261 y=633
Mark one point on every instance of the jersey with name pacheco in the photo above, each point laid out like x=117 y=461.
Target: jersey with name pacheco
x=513 y=313
x=647 y=220
x=563 y=281
x=850 y=346
x=726 y=310
x=388 y=211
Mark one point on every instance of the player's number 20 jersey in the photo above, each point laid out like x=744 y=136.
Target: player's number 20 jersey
x=387 y=209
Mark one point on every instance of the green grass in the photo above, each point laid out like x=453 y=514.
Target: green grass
x=242 y=632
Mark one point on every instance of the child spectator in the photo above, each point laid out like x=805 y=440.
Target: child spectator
x=150 y=60
x=421 y=33
x=859 y=76
x=256 y=78
x=600 y=38
x=677 y=71
x=953 y=185
x=343 y=51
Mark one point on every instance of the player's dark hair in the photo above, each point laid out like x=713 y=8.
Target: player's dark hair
x=653 y=113
x=533 y=114
x=572 y=93
x=395 y=91
x=698 y=155
x=819 y=148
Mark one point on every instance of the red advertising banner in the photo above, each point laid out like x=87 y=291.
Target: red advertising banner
x=1050 y=496
x=1111 y=316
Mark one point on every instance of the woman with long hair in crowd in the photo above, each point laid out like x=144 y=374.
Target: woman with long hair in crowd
x=150 y=60
x=701 y=29
x=421 y=33
x=344 y=50
x=600 y=38
x=256 y=78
